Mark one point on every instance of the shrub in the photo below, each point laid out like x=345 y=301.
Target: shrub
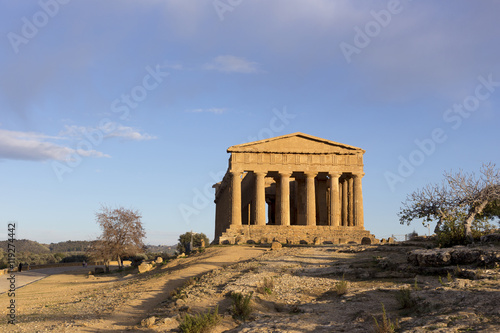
x=441 y=281
x=452 y=230
x=241 y=305
x=412 y=235
x=386 y=326
x=75 y=258
x=190 y=282
x=137 y=259
x=341 y=287
x=200 y=323
x=415 y=285
x=404 y=298
x=185 y=240
x=266 y=286
x=178 y=293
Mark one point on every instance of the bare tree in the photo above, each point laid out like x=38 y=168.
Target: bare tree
x=433 y=202
x=475 y=193
x=458 y=193
x=122 y=234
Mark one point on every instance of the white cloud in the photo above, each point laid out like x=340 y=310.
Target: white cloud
x=211 y=110
x=129 y=133
x=30 y=146
x=35 y=147
x=231 y=64
x=119 y=131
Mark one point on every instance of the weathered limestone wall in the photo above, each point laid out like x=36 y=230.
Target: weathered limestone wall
x=297 y=234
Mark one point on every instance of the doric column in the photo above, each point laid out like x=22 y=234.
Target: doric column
x=285 y=198
x=358 y=201
x=344 y=202
x=235 y=198
x=351 y=201
x=301 y=201
x=334 y=199
x=311 y=198
x=260 y=198
x=277 y=200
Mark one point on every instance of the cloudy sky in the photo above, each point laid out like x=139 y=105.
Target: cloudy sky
x=134 y=103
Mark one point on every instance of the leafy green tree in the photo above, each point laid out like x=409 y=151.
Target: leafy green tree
x=185 y=239
x=3 y=259
x=492 y=211
x=75 y=258
x=452 y=230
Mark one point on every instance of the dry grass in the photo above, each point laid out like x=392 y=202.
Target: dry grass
x=266 y=286
x=341 y=287
x=241 y=305
x=386 y=325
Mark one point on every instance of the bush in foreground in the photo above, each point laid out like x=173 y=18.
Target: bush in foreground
x=386 y=326
x=341 y=287
x=405 y=299
x=241 y=305
x=200 y=323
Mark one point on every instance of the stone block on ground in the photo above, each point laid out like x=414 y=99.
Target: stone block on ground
x=366 y=241
x=452 y=256
x=276 y=246
x=171 y=322
x=491 y=238
x=145 y=267
x=148 y=322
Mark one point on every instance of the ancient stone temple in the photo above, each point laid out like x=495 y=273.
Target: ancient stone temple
x=294 y=189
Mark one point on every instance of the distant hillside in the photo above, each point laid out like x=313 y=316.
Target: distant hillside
x=69 y=246
x=25 y=245
x=34 y=253
x=169 y=249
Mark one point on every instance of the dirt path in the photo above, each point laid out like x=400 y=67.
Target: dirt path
x=132 y=312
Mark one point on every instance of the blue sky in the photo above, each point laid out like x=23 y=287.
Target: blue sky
x=134 y=103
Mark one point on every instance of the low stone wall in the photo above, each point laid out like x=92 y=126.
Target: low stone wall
x=457 y=255
x=25 y=268
x=296 y=234
x=65 y=264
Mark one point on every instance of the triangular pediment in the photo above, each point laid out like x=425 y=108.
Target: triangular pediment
x=296 y=143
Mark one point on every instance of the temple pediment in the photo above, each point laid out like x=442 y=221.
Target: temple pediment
x=296 y=143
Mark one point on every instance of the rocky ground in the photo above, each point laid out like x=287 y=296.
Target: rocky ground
x=455 y=290
x=305 y=299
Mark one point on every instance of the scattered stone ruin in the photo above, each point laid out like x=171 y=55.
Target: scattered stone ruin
x=295 y=189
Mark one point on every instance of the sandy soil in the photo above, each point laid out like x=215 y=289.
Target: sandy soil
x=74 y=302
x=26 y=277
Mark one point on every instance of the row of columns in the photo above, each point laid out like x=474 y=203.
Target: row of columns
x=348 y=212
